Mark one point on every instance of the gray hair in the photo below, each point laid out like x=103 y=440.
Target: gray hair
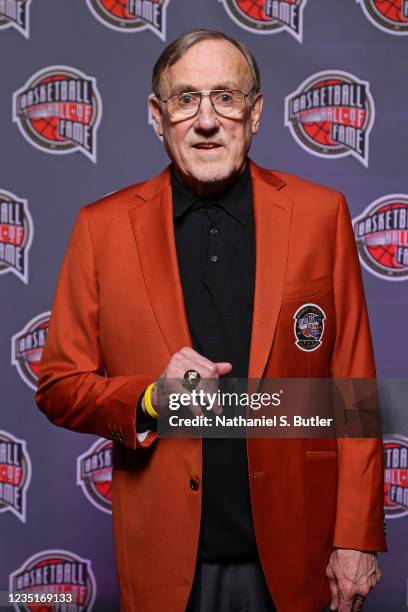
x=183 y=43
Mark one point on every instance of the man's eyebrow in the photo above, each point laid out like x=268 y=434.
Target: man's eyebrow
x=183 y=87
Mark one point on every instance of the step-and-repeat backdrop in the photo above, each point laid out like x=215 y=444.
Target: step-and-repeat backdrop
x=74 y=126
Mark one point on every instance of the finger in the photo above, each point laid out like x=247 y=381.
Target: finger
x=210 y=389
x=189 y=352
x=334 y=594
x=190 y=357
x=204 y=367
x=204 y=397
x=208 y=385
x=357 y=604
x=195 y=410
x=223 y=367
x=372 y=580
x=344 y=605
x=215 y=407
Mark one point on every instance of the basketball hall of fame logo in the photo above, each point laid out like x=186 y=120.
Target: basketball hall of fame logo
x=58 y=111
x=59 y=573
x=94 y=474
x=381 y=233
x=15 y=14
x=268 y=16
x=15 y=475
x=27 y=347
x=331 y=115
x=16 y=235
x=309 y=327
x=132 y=15
x=395 y=476
x=390 y=16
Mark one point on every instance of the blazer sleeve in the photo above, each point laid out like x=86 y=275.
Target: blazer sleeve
x=73 y=391
x=359 y=518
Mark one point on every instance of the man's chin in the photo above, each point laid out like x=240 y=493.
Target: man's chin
x=212 y=174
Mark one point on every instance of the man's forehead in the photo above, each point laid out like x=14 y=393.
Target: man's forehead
x=207 y=65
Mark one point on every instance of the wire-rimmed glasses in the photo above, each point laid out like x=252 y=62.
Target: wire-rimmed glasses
x=225 y=102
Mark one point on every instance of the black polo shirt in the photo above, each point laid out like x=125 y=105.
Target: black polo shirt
x=215 y=242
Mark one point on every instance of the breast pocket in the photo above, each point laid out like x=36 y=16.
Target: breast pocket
x=306 y=328
x=308 y=288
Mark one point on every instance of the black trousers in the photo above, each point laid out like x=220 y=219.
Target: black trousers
x=230 y=587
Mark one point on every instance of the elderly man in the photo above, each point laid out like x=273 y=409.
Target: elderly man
x=199 y=273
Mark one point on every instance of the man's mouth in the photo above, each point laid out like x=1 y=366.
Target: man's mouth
x=206 y=145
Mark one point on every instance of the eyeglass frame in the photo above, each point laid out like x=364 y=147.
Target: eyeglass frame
x=203 y=93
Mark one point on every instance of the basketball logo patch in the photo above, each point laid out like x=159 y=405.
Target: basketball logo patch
x=309 y=327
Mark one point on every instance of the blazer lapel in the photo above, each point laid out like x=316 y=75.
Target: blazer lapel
x=152 y=224
x=273 y=212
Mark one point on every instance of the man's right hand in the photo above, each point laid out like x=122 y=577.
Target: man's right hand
x=171 y=379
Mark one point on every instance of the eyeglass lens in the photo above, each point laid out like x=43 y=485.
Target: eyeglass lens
x=226 y=102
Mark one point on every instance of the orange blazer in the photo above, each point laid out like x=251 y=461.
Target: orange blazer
x=117 y=317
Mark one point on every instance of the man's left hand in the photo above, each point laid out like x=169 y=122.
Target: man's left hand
x=351 y=574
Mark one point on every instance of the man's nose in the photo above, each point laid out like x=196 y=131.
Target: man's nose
x=206 y=118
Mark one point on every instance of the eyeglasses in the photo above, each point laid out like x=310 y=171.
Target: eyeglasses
x=225 y=102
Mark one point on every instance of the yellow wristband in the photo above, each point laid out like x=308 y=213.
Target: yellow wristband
x=148 y=402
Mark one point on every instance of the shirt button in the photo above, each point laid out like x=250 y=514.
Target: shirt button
x=214 y=258
x=194 y=484
x=213 y=230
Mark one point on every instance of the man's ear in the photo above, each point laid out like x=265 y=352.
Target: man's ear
x=256 y=111
x=157 y=113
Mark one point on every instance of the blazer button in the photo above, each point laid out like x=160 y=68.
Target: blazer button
x=194 y=484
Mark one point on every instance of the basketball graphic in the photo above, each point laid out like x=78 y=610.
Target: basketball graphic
x=58 y=111
x=15 y=14
x=381 y=233
x=331 y=115
x=16 y=235
x=129 y=16
x=395 y=476
x=15 y=475
x=390 y=16
x=63 y=576
x=27 y=346
x=268 y=16
x=253 y=10
x=94 y=474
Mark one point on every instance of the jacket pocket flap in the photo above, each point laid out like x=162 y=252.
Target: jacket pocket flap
x=308 y=288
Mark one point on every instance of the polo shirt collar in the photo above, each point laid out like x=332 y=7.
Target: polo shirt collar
x=236 y=201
